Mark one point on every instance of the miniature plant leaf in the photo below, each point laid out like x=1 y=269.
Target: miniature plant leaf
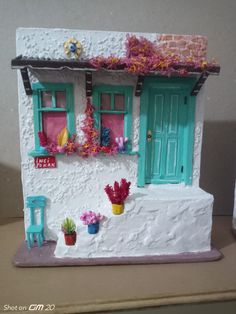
x=119 y=192
x=42 y=139
x=62 y=137
x=68 y=226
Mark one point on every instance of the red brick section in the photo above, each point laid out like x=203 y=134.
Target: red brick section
x=186 y=46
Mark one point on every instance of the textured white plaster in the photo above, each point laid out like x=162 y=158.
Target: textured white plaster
x=198 y=132
x=69 y=187
x=48 y=43
x=157 y=220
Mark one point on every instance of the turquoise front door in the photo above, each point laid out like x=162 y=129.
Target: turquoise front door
x=166 y=134
x=167 y=115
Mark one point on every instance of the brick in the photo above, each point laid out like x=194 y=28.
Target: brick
x=172 y=44
x=201 y=54
x=164 y=46
x=179 y=37
x=197 y=53
x=196 y=39
x=166 y=37
x=204 y=41
x=191 y=46
x=185 y=52
x=181 y=43
x=172 y=50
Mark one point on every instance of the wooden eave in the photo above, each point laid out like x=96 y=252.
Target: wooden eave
x=25 y=63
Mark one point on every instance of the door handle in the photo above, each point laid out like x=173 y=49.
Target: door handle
x=149 y=135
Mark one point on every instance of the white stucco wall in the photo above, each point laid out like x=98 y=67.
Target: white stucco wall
x=74 y=179
x=48 y=43
x=158 y=220
x=69 y=187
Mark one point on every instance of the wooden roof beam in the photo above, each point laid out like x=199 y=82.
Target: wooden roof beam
x=139 y=85
x=88 y=83
x=26 y=81
x=200 y=82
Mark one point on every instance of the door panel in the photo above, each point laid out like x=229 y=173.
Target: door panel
x=166 y=119
x=173 y=114
x=156 y=164
x=171 y=157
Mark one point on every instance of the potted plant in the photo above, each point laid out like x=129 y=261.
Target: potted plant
x=117 y=195
x=92 y=220
x=68 y=227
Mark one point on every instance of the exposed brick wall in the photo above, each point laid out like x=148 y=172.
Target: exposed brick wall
x=192 y=46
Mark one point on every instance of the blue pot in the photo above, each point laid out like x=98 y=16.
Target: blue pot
x=93 y=228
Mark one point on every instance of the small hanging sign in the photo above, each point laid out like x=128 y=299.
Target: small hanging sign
x=45 y=162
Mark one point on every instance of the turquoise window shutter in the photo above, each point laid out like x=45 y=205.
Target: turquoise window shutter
x=112 y=90
x=39 y=109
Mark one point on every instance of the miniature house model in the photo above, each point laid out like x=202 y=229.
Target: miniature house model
x=96 y=107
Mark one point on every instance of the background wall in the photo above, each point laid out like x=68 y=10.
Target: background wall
x=213 y=18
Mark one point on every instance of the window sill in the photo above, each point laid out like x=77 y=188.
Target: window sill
x=39 y=153
x=132 y=153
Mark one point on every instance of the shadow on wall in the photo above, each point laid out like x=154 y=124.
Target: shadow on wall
x=11 y=201
x=218 y=166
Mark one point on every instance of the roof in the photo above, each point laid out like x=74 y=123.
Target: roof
x=21 y=62
x=24 y=63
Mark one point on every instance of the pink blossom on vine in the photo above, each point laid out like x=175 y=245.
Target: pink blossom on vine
x=139 y=47
x=71 y=146
x=144 y=56
x=52 y=148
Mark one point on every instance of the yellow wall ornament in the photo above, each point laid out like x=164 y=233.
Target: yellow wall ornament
x=72 y=47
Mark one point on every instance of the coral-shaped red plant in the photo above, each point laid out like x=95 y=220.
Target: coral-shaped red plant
x=91 y=146
x=119 y=192
x=42 y=139
x=109 y=150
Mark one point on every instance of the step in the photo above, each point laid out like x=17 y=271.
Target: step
x=157 y=220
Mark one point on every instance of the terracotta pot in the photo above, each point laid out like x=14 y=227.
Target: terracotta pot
x=70 y=239
x=117 y=209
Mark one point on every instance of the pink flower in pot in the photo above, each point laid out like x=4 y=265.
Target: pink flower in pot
x=92 y=220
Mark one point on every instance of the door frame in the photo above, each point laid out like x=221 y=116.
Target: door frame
x=186 y=85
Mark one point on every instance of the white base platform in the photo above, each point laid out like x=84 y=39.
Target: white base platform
x=158 y=220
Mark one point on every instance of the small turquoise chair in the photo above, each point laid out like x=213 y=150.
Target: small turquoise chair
x=35 y=230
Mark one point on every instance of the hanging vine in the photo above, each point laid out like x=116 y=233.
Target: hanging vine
x=68 y=145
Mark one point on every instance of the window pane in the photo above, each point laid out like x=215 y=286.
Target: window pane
x=115 y=122
x=46 y=99
x=53 y=123
x=119 y=102
x=61 y=99
x=105 y=101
